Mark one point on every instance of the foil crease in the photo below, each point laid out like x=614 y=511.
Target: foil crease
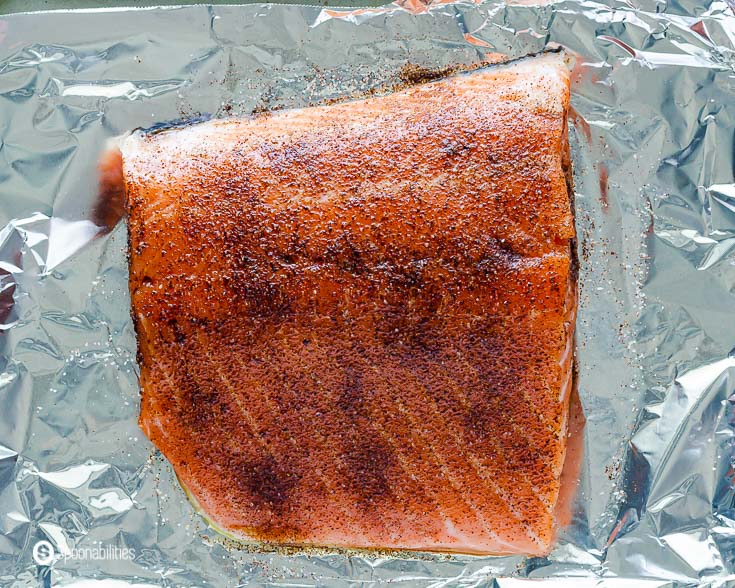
x=653 y=143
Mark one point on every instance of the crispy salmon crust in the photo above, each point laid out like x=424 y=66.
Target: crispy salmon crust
x=355 y=321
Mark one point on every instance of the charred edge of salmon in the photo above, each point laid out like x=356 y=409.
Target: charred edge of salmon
x=410 y=75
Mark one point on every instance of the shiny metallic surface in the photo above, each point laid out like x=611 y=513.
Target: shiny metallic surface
x=653 y=144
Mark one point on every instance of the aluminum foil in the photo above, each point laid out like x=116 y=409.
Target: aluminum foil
x=85 y=500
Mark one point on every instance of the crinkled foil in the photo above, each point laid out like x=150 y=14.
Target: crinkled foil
x=653 y=142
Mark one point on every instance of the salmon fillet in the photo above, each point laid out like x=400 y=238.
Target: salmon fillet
x=355 y=321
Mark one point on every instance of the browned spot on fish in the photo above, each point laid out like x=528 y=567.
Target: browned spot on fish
x=371 y=466
x=267 y=482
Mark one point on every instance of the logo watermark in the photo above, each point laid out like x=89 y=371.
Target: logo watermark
x=44 y=553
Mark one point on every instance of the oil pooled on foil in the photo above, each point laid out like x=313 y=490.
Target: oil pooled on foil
x=653 y=143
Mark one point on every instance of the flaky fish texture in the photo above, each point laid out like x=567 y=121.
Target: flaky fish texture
x=355 y=321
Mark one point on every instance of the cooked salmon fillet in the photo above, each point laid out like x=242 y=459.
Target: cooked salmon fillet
x=355 y=321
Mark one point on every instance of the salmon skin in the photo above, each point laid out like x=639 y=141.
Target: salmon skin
x=355 y=321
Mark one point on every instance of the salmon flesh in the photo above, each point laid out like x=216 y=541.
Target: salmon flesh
x=355 y=321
